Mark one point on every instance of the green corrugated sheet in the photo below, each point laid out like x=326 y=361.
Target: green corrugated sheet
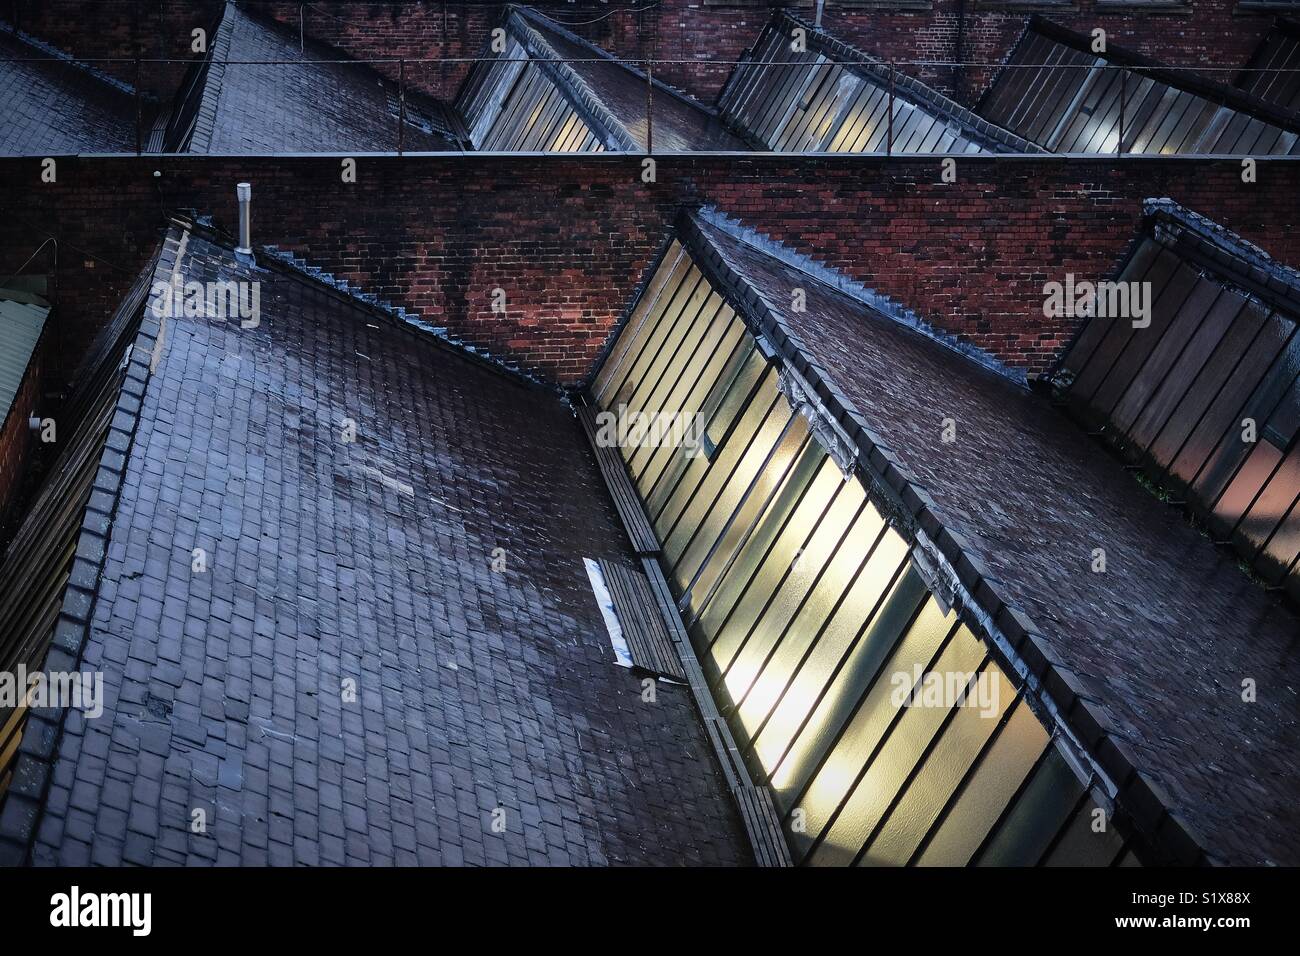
x=22 y=318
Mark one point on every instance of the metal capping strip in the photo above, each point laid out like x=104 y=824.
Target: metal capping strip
x=762 y=825
x=626 y=501
x=974 y=125
x=205 y=118
x=34 y=771
x=574 y=88
x=1233 y=259
x=1065 y=700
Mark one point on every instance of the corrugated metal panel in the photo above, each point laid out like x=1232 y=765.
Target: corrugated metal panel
x=1057 y=93
x=1273 y=73
x=804 y=605
x=1206 y=399
x=21 y=324
x=829 y=97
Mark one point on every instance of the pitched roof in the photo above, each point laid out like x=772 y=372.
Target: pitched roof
x=53 y=104
x=1055 y=91
x=1140 y=659
x=257 y=92
x=1273 y=73
x=831 y=97
x=1219 y=348
x=609 y=97
x=370 y=561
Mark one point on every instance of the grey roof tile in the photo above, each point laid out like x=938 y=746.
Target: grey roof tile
x=1163 y=639
x=54 y=105
x=261 y=94
x=475 y=689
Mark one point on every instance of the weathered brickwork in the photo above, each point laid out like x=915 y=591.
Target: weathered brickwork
x=698 y=37
x=568 y=240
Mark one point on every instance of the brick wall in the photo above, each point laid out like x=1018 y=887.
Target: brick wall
x=569 y=239
x=415 y=31
x=1205 y=32
x=123 y=30
x=702 y=35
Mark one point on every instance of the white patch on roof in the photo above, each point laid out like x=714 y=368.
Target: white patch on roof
x=622 y=655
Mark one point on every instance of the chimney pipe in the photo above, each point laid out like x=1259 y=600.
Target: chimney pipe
x=245 y=193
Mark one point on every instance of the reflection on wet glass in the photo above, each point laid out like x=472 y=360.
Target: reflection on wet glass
x=908 y=739
x=861 y=598
x=1017 y=747
x=786 y=575
x=1039 y=812
x=866 y=652
x=938 y=778
x=743 y=494
x=765 y=513
x=864 y=731
x=777 y=624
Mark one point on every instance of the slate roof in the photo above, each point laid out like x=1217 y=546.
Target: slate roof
x=257 y=103
x=371 y=560
x=612 y=94
x=1145 y=661
x=62 y=106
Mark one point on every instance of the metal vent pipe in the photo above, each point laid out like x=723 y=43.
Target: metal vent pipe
x=245 y=193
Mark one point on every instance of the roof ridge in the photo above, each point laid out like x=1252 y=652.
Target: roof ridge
x=50 y=50
x=288 y=261
x=1252 y=260
x=590 y=102
x=562 y=29
x=303 y=270
x=878 y=302
x=206 y=112
x=952 y=111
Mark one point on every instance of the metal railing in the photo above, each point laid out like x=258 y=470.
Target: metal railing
x=405 y=84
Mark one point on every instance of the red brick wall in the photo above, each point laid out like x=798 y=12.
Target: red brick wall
x=569 y=239
x=1207 y=32
x=420 y=30
x=120 y=29
x=704 y=36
